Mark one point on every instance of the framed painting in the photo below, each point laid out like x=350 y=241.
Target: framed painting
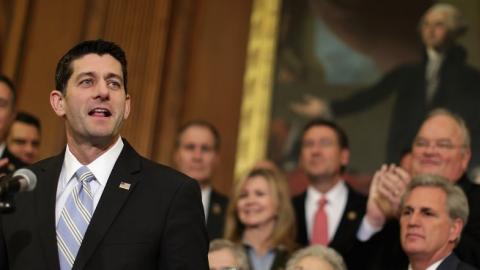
x=304 y=52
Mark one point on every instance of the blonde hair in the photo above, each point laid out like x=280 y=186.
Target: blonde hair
x=284 y=230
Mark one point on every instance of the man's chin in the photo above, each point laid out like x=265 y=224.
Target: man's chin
x=201 y=178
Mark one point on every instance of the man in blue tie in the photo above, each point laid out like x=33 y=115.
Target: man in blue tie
x=99 y=204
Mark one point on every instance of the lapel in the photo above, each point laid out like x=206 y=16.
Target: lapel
x=111 y=202
x=349 y=223
x=45 y=198
x=451 y=262
x=216 y=215
x=299 y=205
x=215 y=208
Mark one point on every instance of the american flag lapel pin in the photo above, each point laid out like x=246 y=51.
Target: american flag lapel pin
x=124 y=185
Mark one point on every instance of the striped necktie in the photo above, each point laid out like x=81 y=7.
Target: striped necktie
x=74 y=219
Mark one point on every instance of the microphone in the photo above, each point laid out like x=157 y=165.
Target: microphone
x=21 y=180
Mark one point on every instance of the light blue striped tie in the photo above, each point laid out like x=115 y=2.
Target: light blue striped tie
x=74 y=219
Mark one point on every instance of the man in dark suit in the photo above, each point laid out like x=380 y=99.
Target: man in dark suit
x=8 y=162
x=323 y=156
x=197 y=155
x=433 y=213
x=99 y=204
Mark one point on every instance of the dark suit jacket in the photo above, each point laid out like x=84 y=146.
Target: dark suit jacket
x=386 y=244
x=452 y=262
x=345 y=239
x=469 y=247
x=216 y=215
x=156 y=223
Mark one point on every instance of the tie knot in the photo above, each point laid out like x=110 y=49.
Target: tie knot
x=84 y=174
x=322 y=202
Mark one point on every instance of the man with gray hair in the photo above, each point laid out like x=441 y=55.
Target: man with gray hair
x=433 y=214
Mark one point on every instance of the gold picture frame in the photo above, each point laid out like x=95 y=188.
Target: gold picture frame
x=257 y=85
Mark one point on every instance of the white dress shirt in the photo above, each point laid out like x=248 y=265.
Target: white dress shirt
x=100 y=168
x=336 y=203
x=206 y=191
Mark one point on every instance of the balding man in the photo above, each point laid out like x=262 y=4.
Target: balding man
x=442 y=79
x=441 y=147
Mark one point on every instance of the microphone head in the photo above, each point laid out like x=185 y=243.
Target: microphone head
x=30 y=179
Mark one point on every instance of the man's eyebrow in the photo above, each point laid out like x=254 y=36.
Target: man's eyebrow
x=83 y=74
x=114 y=75
x=429 y=210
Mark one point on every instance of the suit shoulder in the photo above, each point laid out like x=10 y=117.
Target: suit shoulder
x=166 y=174
x=46 y=162
x=219 y=197
x=465 y=266
x=355 y=195
x=299 y=200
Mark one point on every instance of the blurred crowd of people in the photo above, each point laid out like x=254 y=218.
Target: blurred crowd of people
x=416 y=217
x=421 y=211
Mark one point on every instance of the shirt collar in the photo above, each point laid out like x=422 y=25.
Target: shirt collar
x=336 y=191
x=101 y=167
x=434 y=265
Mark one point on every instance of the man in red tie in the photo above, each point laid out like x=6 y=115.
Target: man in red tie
x=329 y=212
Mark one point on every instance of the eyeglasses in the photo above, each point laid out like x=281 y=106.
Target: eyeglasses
x=443 y=145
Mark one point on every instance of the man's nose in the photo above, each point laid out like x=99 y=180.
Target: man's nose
x=431 y=149
x=29 y=148
x=102 y=90
x=197 y=153
x=413 y=219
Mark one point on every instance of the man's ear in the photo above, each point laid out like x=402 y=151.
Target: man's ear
x=57 y=101
x=345 y=156
x=455 y=230
x=467 y=154
x=127 y=107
